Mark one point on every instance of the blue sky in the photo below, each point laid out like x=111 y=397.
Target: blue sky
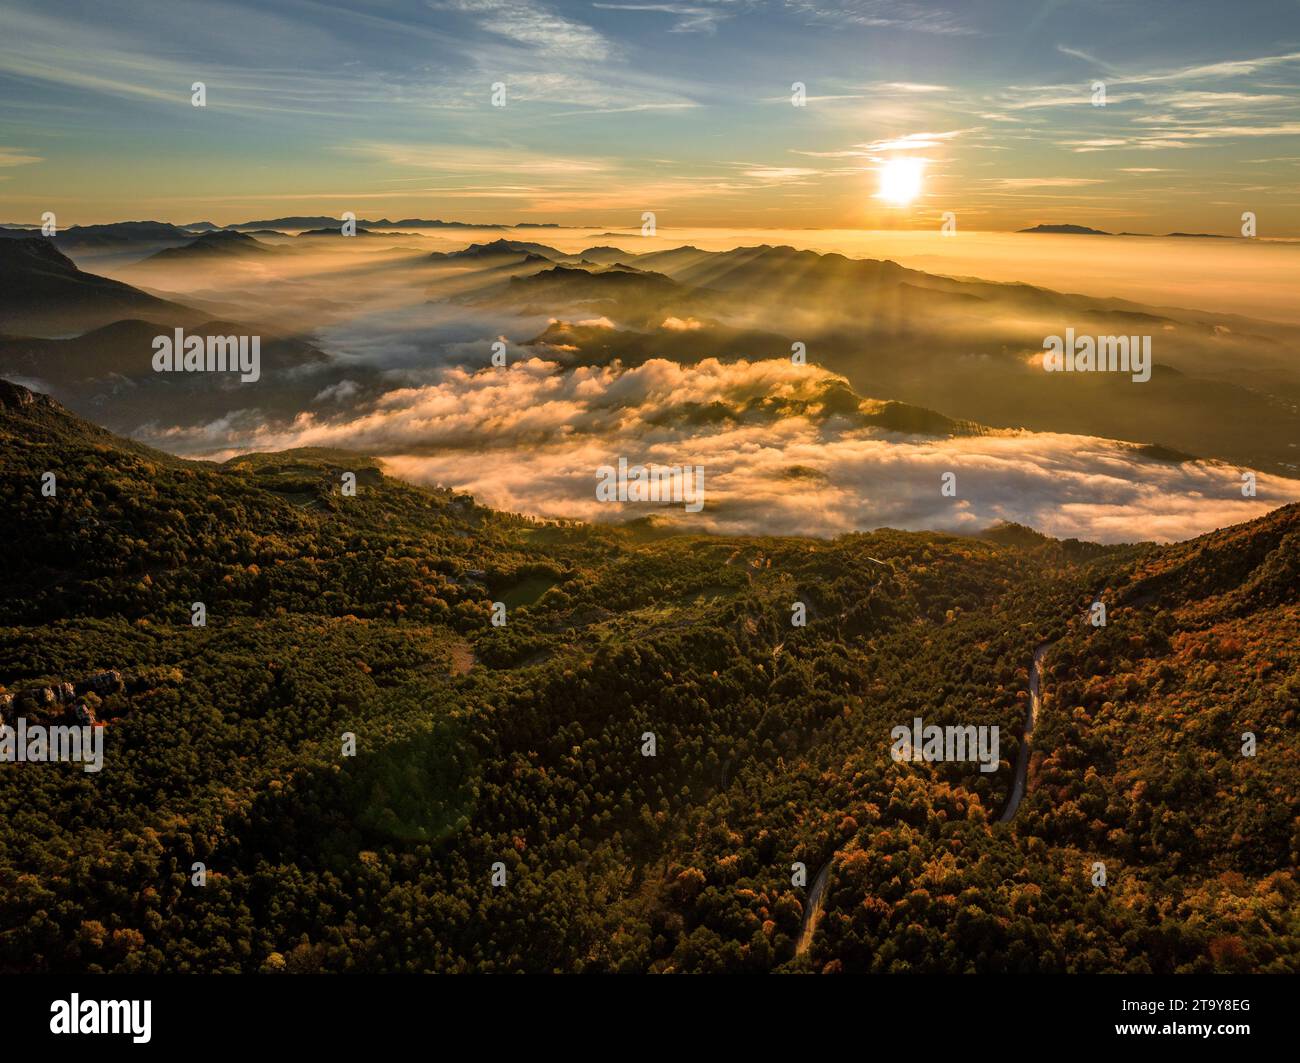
x=614 y=108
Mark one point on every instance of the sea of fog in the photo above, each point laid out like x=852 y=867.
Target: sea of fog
x=531 y=437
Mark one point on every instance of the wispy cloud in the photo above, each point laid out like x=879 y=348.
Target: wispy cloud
x=687 y=18
x=532 y=25
x=883 y=14
x=1045 y=182
x=632 y=108
x=908 y=86
x=779 y=173
x=1224 y=100
x=17 y=157
x=476 y=159
x=1226 y=69
x=912 y=141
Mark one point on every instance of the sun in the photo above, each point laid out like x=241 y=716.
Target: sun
x=900 y=181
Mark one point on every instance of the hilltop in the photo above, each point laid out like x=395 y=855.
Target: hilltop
x=43 y=292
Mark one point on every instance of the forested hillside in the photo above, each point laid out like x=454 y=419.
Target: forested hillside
x=523 y=745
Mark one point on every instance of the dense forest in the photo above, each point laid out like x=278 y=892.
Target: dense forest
x=500 y=812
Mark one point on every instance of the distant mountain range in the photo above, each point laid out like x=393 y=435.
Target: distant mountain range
x=112 y=235
x=115 y=240
x=125 y=232
x=334 y=230
x=963 y=346
x=1083 y=230
x=1221 y=386
x=324 y=221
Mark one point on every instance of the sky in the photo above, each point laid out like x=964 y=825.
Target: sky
x=684 y=109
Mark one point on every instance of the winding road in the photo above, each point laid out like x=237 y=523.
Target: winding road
x=813 y=912
x=817 y=895
x=1022 y=760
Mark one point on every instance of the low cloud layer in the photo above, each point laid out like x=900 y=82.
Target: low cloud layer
x=779 y=456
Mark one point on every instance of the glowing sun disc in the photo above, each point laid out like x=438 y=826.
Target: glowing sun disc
x=900 y=181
